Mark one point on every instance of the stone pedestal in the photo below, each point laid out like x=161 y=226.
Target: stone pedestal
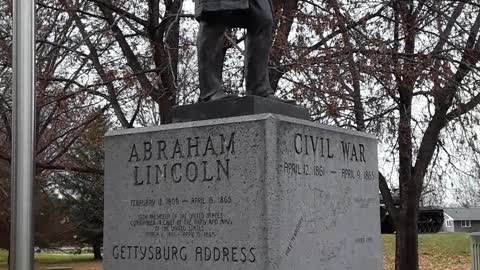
x=252 y=192
x=237 y=106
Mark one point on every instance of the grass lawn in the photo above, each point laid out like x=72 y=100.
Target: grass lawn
x=3 y=257
x=449 y=251
x=44 y=260
x=445 y=251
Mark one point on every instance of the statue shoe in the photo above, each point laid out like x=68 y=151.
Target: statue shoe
x=217 y=96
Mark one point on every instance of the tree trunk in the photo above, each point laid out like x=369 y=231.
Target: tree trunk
x=165 y=37
x=97 y=253
x=406 y=249
x=9 y=260
x=387 y=198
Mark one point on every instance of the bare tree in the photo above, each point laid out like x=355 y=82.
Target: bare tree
x=63 y=111
x=420 y=61
x=406 y=71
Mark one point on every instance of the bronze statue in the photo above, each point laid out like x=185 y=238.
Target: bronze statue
x=214 y=17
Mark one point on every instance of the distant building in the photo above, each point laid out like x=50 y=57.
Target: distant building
x=461 y=220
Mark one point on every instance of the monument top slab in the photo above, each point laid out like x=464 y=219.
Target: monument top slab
x=237 y=107
x=237 y=119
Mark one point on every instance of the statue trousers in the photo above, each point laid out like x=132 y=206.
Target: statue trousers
x=210 y=49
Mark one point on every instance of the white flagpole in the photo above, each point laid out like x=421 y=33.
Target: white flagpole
x=23 y=139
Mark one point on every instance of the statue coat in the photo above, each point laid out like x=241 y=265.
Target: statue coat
x=204 y=9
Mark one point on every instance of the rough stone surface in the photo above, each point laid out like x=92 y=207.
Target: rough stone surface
x=258 y=192
x=239 y=106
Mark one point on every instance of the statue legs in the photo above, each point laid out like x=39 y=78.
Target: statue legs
x=210 y=59
x=258 y=43
x=210 y=43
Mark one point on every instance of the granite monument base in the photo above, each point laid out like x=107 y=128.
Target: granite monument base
x=255 y=192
